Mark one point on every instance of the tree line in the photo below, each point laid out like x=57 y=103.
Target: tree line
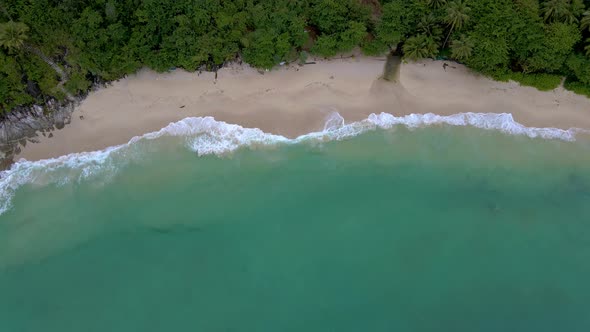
x=55 y=49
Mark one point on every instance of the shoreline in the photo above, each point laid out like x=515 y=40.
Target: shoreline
x=293 y=100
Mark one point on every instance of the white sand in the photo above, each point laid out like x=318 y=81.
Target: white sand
x=295 y=100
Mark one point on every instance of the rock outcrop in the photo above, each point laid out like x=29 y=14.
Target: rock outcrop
x=24 y=125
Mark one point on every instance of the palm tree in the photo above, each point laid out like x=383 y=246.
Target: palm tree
x=429 y=26
x=587 y=48
x=13 y=36
x=457 y=16
x=558 y=11
x=436 y=3
x=420 y=47
x=585 y=21
x=577 y=8
x=462 y=48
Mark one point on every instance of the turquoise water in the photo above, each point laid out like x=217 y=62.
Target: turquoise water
x=434 y=229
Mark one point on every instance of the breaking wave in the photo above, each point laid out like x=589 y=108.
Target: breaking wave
x=205 y=136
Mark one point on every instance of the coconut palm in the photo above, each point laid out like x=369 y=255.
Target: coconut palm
x=420 y=47
x=462 y=48
x=429 y=26
x=587 y=48
x=577 y=8
x=436 y=3
x=13 y=36
x=558 y=11
x=585 y=21
x=457 y=16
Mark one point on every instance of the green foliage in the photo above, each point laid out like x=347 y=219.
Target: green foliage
x=49 y=47
x=577 y=87
x=543 y=82
x=579 y=68
x=12 y=88
x=557 y=44
x=420 y=47
x=266 y=48
x=461 y=49
x=457 y=14
x=330 y=45
x=13 y=35
x=526 y=33
x=489 y=54
x=277 y=36
x=456 y=17
x=436 y=3
x=100 y=44
x=429 y=25
x=490 y=31
x=352 y=36
x=564 y=11
x=326 y=46
x=342 y=24
x=334 y=16
x=77 y=83
x=585 y=21
x=38 y=71
x=398 y=22
x=374 y=47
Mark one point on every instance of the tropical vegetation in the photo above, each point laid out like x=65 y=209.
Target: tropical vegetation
x=55 y=49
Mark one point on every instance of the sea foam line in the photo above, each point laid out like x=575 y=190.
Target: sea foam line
x=205 y=136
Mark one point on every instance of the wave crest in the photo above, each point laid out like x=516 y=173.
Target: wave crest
x=205 y=135
x=503 y=122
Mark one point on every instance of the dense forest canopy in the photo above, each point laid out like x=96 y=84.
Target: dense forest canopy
x=58 y=48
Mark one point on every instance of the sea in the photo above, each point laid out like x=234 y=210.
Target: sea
x=469 y=222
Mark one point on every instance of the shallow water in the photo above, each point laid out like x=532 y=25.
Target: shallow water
x=433 y=229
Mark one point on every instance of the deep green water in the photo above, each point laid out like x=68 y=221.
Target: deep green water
x=435 y=229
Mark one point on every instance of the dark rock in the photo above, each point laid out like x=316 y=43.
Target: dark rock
x=26 y=122
x=33 y=89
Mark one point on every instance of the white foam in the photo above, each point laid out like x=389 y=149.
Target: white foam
x=503 y=122
x=205 y=135
x=333 y=121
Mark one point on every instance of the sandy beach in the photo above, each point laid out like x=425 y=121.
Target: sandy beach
x=293 y=100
